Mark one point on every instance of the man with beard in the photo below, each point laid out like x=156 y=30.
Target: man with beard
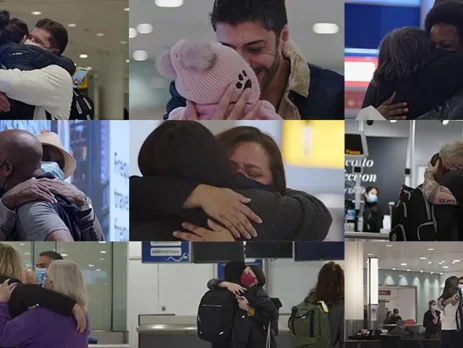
x=258 y=31
x=449 y=190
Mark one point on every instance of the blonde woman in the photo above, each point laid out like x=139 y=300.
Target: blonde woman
x=25 y=296
x=39 y=327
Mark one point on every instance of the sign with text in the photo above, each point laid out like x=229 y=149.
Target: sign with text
x=119 y=181
x=250 y=262
x=383 y=169
x=165 y=252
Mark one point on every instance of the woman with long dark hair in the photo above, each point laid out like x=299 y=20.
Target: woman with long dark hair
x=372 y=214
x=330 y=290
x=451 y=316
x=183 y=162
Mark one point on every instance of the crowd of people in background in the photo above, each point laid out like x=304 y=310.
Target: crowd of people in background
x=42 y=309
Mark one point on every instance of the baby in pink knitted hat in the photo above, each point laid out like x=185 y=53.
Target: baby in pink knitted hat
x=203 y=71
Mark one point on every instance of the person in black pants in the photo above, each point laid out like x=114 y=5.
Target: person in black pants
x=431 y=321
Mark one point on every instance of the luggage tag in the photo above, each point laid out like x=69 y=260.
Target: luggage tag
x=324 y=306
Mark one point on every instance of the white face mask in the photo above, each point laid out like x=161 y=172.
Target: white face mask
x=30 y=42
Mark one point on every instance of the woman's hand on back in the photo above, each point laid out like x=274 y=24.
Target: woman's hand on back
x=200 y=234
x=6 y=291
x=80 y=317
x=228 y=208
x=236 y=289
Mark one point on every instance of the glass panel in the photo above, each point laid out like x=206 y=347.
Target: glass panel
x=95 y=261
x=120 y=263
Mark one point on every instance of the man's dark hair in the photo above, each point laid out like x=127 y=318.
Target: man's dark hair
x=260 y=275
x=12 y=30
x=270 y=13
x=52 y=255
x=446 y=12
x=58 y=33
x=431 y=302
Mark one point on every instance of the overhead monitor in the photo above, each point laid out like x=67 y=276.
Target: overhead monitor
x=355 y=146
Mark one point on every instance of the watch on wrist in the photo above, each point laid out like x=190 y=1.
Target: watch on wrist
x=87 y=204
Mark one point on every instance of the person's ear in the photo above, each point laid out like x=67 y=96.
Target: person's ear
x=284 y=37
x=24 y=39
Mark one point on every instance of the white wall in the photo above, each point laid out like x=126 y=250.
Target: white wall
x=178 y=288
x=403 y=298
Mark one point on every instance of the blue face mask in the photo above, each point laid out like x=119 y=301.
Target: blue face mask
x=54 y=169
x=372 y=198
x=41 y=274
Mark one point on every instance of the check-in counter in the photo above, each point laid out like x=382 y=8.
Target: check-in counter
x=167 y=331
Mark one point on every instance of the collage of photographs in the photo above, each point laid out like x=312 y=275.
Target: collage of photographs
x=231 y=173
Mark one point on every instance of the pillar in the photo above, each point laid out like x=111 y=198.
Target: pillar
x=111 y=86
x=354 y=287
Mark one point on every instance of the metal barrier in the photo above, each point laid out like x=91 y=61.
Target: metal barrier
x=366 y=236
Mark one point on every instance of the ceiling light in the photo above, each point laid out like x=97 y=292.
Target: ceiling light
x=430 y=249
x=393 y=121
x=423 y=258
x=325 y=28
x=101 y=259
x=429 y=262
x=168 y=3
x=140 y=55
x=393 y=269
x=102 y=252
x=145 y=28
x=401 y=275
x=83 y=56
x=408 y=270
x=91 y=265
x=370 y=254
x=445 y=266
x=100 y=34
x=441 y=273
x=403 y=264
x=64 y=255
x=432 y=273
x=132 y=33
x=126 y=9
x=421 y=271
x=388 y=245
x=71 y=25
x=98 y=270
x=127 y=61
x=123 y=42
x=36 y=13
x=456 y=260
x=446 y=122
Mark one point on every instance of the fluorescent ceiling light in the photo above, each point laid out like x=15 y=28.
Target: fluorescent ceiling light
x=83 y=56
x=145 y=28
x=123 y=42
x=99 y=34
x=71 y=25
x=132 y=33
x=126 y=9
x=169 y=3
x=325 y=28
x=36 y=13
x=140 y=56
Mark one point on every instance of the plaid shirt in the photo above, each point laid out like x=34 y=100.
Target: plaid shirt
x=7 y=221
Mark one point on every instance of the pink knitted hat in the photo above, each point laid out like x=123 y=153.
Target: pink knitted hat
x=203 y=71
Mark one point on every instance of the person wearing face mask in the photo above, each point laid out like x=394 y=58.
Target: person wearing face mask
x=43 y=263
x=452 y=314
x=372 y=214
x=34 y=78
x=431 y=321
x=256 y=323
x=59 y=164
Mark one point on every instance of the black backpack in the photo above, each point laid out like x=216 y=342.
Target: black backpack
x=216 y=315
x=413 y=218
x=82 y=108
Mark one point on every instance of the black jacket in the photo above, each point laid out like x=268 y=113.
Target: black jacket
x=295 y=216
x=325 y=100
x=428 y=89
x=25 y=296
x=372 y=218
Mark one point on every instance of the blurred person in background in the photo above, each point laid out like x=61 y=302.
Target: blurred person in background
x=258 y=31
x=372 y=214
x=43 y=263
x=26 y=296
x=254 y=165
x=36 y=81
x=431 y=321
x=40 y=327
x=400 y=330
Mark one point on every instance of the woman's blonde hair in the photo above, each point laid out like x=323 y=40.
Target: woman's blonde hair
x=68 y=280
x=452 y=155
x=10 y=262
